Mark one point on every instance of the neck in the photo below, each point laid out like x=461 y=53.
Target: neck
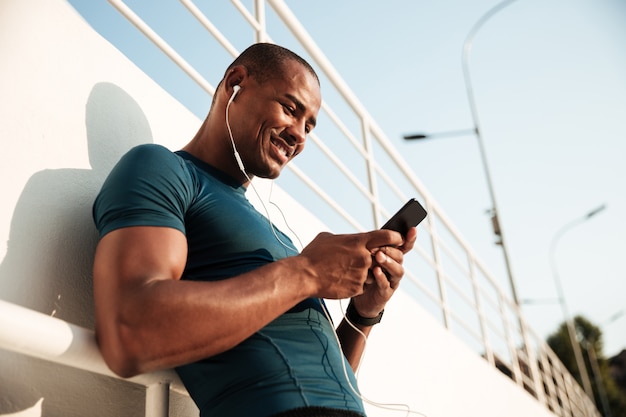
x=212 y=145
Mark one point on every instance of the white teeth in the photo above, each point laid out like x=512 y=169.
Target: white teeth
x=281 y=148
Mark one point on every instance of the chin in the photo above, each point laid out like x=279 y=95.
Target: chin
x=271 y=175
x=269 y=171
x=273 y=172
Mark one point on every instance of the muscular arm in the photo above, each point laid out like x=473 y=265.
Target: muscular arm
x=148 y=319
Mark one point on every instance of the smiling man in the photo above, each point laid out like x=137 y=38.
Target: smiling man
x=188 y=275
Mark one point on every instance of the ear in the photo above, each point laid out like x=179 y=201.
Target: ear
x=237 y=75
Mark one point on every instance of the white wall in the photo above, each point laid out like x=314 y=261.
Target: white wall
x=71 y=105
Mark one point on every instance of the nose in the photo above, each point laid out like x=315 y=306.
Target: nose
x=296 y=132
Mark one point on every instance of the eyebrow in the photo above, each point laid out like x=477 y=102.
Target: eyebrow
x=311 y=120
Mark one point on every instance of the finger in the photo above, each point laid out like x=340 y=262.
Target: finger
x=393 y=271
x=409 y=240
x=390 y=259
x=383 y=237
x=388 y=254
x=382 y=278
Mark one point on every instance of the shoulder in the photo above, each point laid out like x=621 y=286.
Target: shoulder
x=147 y=169
x=150 y=152
x=152 y=161
x=150 y=186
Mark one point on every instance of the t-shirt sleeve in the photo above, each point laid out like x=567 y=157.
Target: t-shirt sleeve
x=149 y=186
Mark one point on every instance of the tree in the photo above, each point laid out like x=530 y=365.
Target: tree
x=608 y=398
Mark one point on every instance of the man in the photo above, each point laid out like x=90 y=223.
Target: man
x=188 y=275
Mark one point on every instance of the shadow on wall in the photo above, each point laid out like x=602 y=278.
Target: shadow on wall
x=49 y=258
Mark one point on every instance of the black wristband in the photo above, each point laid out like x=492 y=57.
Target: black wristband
x=356 y=318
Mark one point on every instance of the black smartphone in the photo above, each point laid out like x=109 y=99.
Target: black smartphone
x=410 y=215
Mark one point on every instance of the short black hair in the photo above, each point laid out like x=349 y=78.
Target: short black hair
x=265 y=61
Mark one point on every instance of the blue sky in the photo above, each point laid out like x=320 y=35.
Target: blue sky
x=550 y=84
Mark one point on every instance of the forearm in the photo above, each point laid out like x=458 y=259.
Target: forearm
x=165 y=322
x=352 y=342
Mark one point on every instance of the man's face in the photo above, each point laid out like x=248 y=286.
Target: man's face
x=273 y=119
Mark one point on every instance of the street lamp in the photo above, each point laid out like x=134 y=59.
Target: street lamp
x=441 y=134
x=467 y=47
x=582 y=369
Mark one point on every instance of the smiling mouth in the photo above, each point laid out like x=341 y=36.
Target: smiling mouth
x=283 y=149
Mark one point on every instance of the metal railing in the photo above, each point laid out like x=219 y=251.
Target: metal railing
x=444 y=274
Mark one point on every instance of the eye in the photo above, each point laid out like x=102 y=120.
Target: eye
x=289 y=110
x=295 y=112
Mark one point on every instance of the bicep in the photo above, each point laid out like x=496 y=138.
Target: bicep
x=127 y=262
x=135 y=256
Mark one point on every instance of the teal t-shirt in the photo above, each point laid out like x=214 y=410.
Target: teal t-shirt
x=294 y=361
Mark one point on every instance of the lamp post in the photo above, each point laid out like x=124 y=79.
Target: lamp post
x=476 y=131
x=590 y=347
x=580 y=363
x=495 y=222
x=593 y=360
x=467 y=47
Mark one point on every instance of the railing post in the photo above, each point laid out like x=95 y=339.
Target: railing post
x=532 y=358
x=158 y=400
x=479 y=310
x=371 y=171
x=259 y=14
x=443 y=298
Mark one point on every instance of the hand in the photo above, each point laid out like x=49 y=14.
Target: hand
x=338 y=265
x=385 y=275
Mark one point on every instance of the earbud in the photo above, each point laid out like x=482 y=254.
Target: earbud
x=236 y=89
